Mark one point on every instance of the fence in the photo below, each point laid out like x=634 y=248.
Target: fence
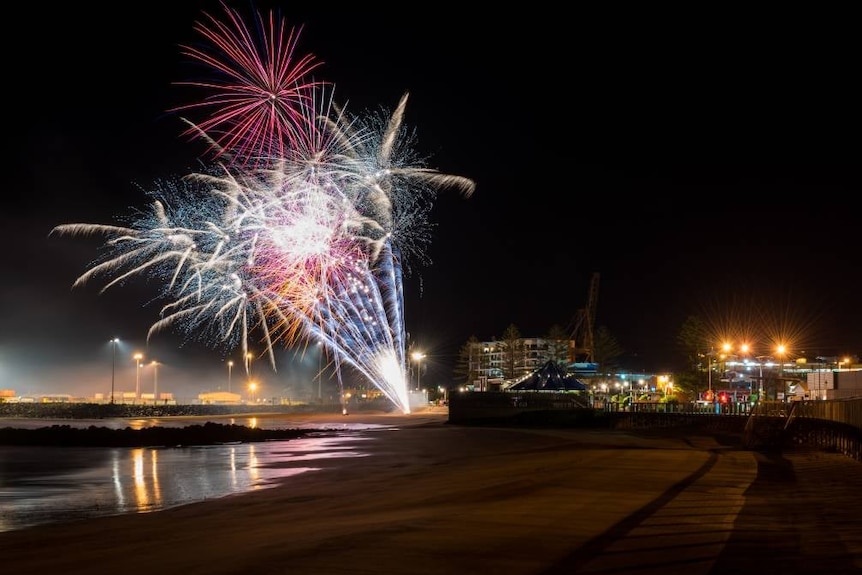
x=828 y=425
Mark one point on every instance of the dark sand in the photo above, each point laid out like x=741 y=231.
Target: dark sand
x=438 y=498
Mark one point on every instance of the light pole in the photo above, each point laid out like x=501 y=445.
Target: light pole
x=155 y=365
x=138 y=357
x=229 y=369
x=760 y=381
x=780 y=351
x=760 y=388
x=114 y=343
x=710 y=394
x=418 y=357
x=252 y=386
x=709 y=374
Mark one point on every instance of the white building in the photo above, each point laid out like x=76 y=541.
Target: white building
x=834 y=384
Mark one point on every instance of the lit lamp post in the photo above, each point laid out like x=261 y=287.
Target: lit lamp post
x=418 y=357
x=155 y=365
x=252 y=387
x=760 y=360
x=138 y=357
x=114 y=343
x=780 y=351
x=229 y=370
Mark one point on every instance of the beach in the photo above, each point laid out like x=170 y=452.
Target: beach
x=433 y=498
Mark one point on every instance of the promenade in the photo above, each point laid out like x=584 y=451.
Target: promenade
x=436 y=498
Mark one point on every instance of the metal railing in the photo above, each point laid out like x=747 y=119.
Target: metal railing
x=847 y=411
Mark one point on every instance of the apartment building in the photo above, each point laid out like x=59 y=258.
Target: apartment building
x=493 y=363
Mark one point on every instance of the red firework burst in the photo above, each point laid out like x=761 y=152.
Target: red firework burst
x=258 y=104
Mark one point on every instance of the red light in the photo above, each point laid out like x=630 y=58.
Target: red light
x=722 y=397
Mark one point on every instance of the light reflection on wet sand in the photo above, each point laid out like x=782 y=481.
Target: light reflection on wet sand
x=57 y=484
x=268 y=421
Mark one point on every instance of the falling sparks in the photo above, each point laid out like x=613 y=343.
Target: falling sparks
x=302 y=229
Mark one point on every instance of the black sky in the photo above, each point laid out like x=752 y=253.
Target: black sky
x=702 y=164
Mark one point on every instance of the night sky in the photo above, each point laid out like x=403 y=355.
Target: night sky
x=702 y=164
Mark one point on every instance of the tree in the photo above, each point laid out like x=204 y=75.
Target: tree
x=558 y=345
x=687 y=383
x=513 y=351
x=467 y=365
x=694 y=339
x=606 y=350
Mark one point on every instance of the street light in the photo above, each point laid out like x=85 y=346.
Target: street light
x=418 y=357
x=709 y=355
x=780 y=351
x=229 y=369
x=137 y=357
x=155 y=365
x=114 y=343
x=252 y=386
x=760 y=360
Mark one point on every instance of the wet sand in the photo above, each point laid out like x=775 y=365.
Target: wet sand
x=435 y=498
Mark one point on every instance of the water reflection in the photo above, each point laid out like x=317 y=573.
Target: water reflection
x=269 y=422
x=47 y=484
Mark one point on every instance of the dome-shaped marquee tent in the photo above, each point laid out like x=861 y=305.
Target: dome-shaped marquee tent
x=549 y=377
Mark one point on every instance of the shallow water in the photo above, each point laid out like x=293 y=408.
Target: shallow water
x=41 y=485
x=253 y=421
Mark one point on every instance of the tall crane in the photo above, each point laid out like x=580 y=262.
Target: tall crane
x=583 y=324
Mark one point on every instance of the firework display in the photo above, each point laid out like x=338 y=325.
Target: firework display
x=303 y=227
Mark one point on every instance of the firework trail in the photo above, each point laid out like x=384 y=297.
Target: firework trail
x=302 y=235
